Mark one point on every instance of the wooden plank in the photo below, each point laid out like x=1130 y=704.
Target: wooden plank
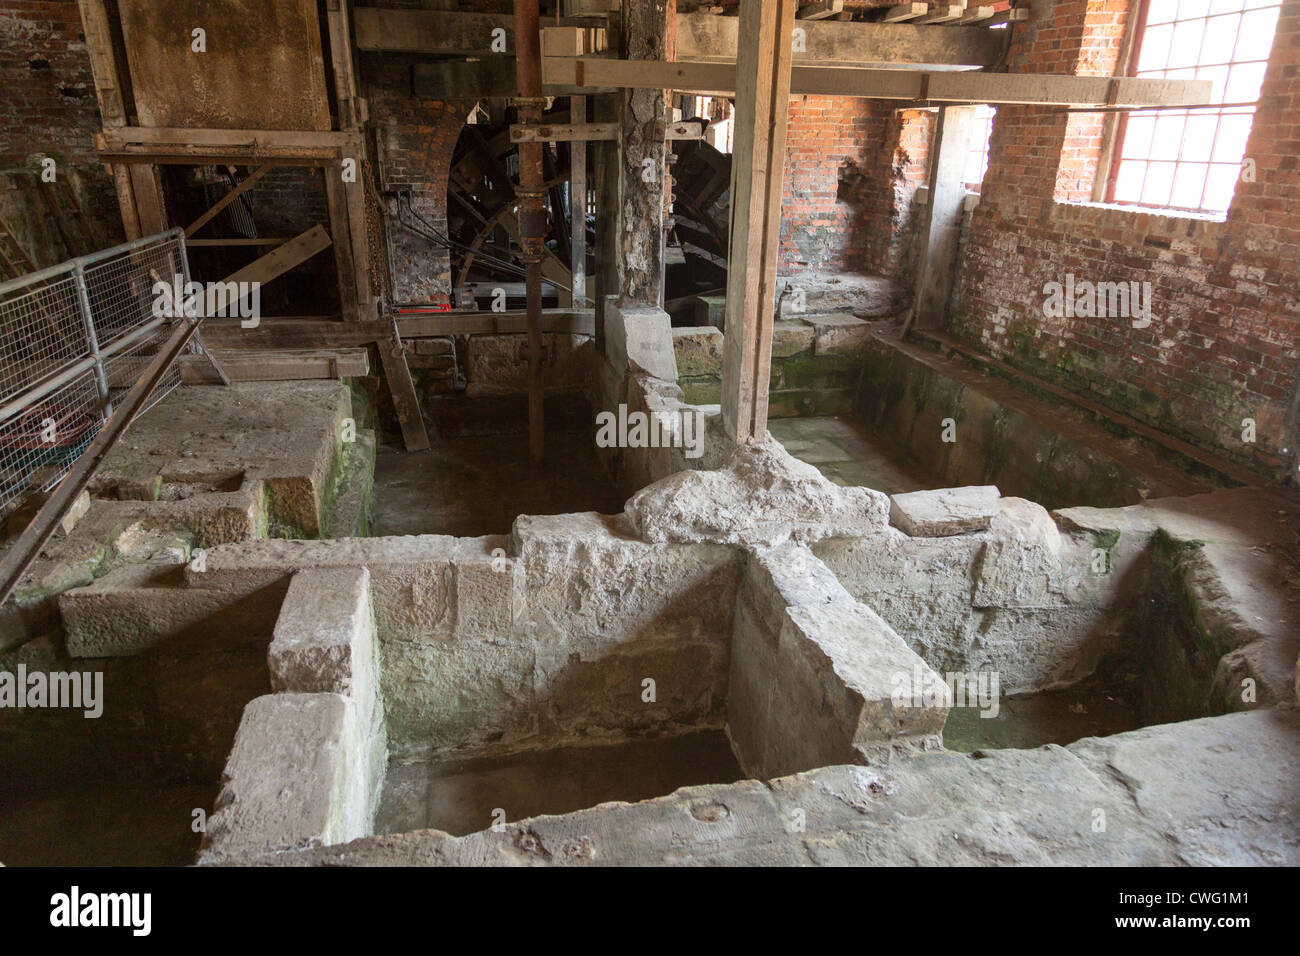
x=312 y=333
x=250 y=365
x=702 y=37
x=976 y=14
x=405 y=401
x=420 y=31
x=905 y=11
x=186 y=136
x=1018 y=15
x=148 y=199
x=562 y=132
x=943 y=13
x=762 y=108
x=341 y=60
x=821 y=9
x=337 y=205
x=968 y=86
x=270 y=266
x=98 y=31
x=227 y=199
x=240 y=241
x=355 y=195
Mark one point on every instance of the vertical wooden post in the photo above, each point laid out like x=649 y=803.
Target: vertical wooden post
x=763 y=58
x=948 y=155
x=532 y=216
x=578 y=206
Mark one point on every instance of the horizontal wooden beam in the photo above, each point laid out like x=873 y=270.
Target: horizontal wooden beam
x=820 y=9
x=589 y=132
x=187 y=136
x=261 y=365
x=432 y=31
x=310 y=333
x=705 y=38
x=1027 y=89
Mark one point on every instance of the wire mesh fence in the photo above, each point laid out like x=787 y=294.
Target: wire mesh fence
x=73 y=340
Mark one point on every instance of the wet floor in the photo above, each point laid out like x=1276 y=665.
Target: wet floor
x=462 y=796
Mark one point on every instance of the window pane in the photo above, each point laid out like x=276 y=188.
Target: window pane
x=1162 y=11
x=1224 y=6
x=1220 y=38
x=1137 y=138
x=1244 y=82
x=1234 y=131
x=1219 y=187
x=1186 y=48
x=1256 y=36
x=1155 y=48
x=1218 y=75
x=1160 y=180
x=1198 y=137
x=1168 y=136
x=1188 y=182
x=1128 y=184
x=1193 y=9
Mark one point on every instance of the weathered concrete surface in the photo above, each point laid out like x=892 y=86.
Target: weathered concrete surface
x=324 y=637
x=1021 y=560
x=764 y=496
x=640 y=339
x=290 y=778
x=934 y=514
x=1219 y=791
x=813 y=292
x=813 y=672
x=209 y=441
x=837 y=333
x=498 y=364
x=1230 y=557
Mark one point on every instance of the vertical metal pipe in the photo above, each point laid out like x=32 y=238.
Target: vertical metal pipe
x=532 y=216
x=92 y=340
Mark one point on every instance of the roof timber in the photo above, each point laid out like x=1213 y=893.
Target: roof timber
x=701 y=37
x=1044 y=89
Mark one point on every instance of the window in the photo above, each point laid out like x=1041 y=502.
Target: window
x=977 y=161
x=1191 y=159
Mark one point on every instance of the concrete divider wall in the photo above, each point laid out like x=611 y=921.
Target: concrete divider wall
x=308 y=761
x=814 y=673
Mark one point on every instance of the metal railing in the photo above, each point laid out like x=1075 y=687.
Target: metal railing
x=73 y=339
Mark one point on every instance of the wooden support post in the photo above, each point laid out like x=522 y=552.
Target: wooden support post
x=405 y=401
x=952 y=135
x=341 y=233
x=649 y=28
x=578 y=206
x=762 y=107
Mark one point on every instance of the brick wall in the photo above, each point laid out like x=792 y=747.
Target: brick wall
x=48 y=108
x=1224 y=341
x=852 y=166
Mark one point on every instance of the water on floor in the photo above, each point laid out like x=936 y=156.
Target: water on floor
x=846 y=452
x=1094 y=708
x=465 y=796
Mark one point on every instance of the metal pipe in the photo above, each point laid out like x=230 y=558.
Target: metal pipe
x=92 y=340
x=532 y=217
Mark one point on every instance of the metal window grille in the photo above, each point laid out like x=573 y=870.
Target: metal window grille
x=1191 y=159
x=73 y=340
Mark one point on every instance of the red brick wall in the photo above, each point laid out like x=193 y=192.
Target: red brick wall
x=1223 y=342
x=416 y=140
x=848 y=185
x=48 y=108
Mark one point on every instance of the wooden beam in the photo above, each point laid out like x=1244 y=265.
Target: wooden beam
x=943 y=13
x=227 y=199
x=821 y=9
x=392 y=355
x=969 y=86
x=762 y=109
x=905 y=11
x=270 y=266
x=1018 y=15
x=98 y=31
x=350 y=108
x=702 y=37
x=270 y=138
x=240 y=241
x=573 y=132
x=249 y=365
x=149 y=204
x=975 y=15
x=432 y=31
x=341 y=232
x=313 y=333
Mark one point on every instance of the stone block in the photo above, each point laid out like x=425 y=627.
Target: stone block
x=946 y=511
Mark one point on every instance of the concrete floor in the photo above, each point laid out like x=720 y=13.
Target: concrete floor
x=844 y=451
x=478 y=485
x=460 y=797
